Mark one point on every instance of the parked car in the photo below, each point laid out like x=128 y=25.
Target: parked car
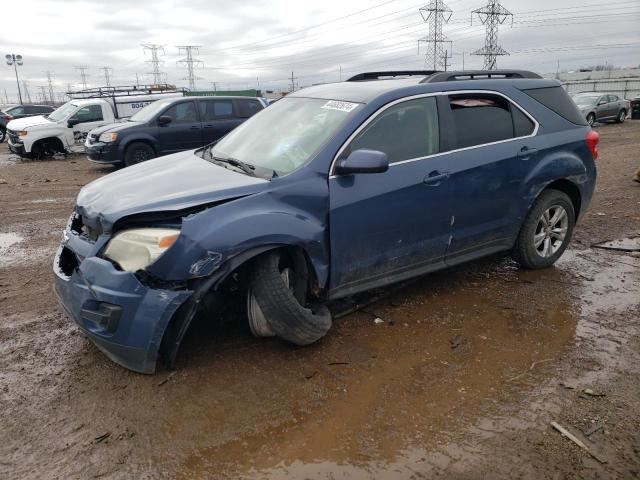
x=67 y=126
x=333 y=190
x=169 y=126
x=20 y=111
x=602 y=107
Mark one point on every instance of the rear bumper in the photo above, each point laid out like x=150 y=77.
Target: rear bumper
x=103 y=153
x=123 y=318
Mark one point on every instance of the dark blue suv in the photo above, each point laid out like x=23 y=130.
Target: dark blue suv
x=331 y=191
x=168 y=126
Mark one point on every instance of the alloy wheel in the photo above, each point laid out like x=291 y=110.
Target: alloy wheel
x=551 y=231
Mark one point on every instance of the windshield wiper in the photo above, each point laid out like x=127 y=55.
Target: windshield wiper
x=245 y=167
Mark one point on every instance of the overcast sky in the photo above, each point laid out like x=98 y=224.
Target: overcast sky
x=245 y=44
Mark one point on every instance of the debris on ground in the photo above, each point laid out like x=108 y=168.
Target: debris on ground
x=166 y=379
x=591 y=393
x=102 y=438
x=378 y=321
x=593 y=429
x=566 y=433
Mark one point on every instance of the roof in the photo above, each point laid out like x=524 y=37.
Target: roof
x=363 y=90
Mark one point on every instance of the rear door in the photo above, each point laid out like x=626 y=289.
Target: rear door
x=494 y=150
x=392 y=225
x=183 y=132
x=219 y=117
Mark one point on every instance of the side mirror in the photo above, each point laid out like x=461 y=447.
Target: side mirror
x=602 y=102
x=164 y=120
x=363 y=161
x=72 y=123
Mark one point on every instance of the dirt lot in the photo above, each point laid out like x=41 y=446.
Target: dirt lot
x=461 y=380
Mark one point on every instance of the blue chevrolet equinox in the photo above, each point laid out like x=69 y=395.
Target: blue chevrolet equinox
x=333 y=190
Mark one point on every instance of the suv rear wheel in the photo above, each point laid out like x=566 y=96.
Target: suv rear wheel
x=591 y=119
x=546 y=231
x=138 y=152
x=278 y=290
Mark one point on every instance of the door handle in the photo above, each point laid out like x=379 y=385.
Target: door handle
x=435 y=178
x=195 y=127
x=526 y=153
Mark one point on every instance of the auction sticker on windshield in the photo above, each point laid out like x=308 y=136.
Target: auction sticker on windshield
x=342 y=106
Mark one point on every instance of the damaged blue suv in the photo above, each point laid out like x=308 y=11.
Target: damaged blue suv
x=331 y=191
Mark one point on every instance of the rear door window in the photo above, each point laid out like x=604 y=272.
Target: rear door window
x=479 y=119
x=404 y=131
x=216 y=110
x=613 y=98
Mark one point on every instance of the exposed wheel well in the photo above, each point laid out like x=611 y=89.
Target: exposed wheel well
x=53 y=142
x=210 y=293
x=571 y=190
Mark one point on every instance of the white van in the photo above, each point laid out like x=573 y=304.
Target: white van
x=66 y=128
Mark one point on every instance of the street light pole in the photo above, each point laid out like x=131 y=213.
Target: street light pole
x=15 y=60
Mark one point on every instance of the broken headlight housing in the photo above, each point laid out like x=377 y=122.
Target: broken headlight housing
x=138 y=248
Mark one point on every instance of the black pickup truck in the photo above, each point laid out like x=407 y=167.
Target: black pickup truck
x=169 y=126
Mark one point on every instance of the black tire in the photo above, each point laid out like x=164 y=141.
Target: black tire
x=621 y=116
x=525 y=251
x=591 y=119
x=287 y=318
x=3 y=135
x=138 y=152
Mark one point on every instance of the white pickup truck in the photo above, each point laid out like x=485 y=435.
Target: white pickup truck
x=66 y=128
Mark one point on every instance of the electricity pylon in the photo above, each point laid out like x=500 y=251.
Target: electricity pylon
x=492 y=15
x=435 y=13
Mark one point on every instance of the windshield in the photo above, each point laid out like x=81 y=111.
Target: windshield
x=147 y=113
x=586 y=99
x=63 y=112
x=285 y=136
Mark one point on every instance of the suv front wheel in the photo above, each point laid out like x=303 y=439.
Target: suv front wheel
x=546 y=231
x=277 y=301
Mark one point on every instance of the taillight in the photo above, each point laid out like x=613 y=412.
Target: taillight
x=592 y=140
x=7 y=117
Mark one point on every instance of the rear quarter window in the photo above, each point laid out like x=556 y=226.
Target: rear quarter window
x=558 y=101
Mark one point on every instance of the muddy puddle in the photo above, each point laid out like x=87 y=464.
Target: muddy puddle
x=378 y=399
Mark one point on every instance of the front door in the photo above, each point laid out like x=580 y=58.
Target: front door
x=183 y=132
x=83 y=121
x=388 y=226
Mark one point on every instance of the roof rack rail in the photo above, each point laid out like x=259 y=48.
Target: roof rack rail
x=478 y=75
x=363 y=77
x=119 y=91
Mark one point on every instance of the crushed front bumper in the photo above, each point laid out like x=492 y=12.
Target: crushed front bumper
x=103 y=152
x=124 y=318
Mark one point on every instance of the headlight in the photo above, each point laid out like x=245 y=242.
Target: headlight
x=108 y=137
x=139 y=247
x=22 y=133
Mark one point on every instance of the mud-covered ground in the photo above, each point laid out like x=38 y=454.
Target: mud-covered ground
x=462 y=379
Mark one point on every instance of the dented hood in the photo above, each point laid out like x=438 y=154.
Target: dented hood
x=174 y=182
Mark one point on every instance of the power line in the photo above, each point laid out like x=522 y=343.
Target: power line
x=491 y=15
x=190 y=63
x=83 y=75
x=155 y=61
x=107 y=78
x=436 y=12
